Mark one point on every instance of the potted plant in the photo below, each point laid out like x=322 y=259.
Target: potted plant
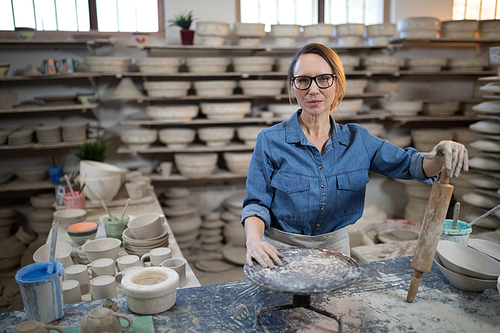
x=184 y=21
x=91 y=150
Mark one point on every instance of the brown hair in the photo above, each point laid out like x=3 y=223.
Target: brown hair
x=333 y=61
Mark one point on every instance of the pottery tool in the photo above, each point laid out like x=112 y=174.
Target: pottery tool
x=125 y=209
x=69 y=185
x=456 y=212
x=432 y=225
x=82 y=185
x=52 y=253
x=104 y=205
x=482 y=216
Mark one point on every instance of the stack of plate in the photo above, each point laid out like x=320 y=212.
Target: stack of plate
x=468 y=64
x=74 y=131
x=48 y=134
x=32 y=174
x=140 y=247
x=21 y=137
x=41 y=220
x=111 y=65
x=3 y=136
x=425 y=139
x=233 y=232
x=67 y=217
x=402 y=108
x=211 y=232
x=492 y=107
x=6 y=221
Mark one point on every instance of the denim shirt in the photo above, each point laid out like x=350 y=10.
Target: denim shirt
x=293 y=187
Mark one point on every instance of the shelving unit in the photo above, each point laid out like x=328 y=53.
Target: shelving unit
x=53 y=108
x=40 y=146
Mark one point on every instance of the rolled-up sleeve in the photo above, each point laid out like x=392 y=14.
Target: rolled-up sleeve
x=259 y=191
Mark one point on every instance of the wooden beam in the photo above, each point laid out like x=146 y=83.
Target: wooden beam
x=93 y=15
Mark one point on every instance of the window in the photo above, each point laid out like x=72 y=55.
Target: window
x=476 y=10
x=75 y=15
x=354 y=11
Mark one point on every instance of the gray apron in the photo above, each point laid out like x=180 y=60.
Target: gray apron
x=335 y=241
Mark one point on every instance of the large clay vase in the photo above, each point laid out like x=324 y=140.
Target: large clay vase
x=187 y=37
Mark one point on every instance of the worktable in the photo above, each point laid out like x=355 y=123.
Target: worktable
x=376 y=302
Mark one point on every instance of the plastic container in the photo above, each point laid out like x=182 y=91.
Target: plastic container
x=61 y=188
x=55 y=172
x=458 y=235
x=42 y=293
x=74 y=201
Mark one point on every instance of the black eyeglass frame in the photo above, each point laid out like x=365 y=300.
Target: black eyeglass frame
x=313 y=78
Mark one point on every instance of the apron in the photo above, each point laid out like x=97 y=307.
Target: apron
x=336 y=241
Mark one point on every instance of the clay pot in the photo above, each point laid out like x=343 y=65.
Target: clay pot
x=104 y=320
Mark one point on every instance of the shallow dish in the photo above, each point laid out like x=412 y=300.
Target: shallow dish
x=486 y=247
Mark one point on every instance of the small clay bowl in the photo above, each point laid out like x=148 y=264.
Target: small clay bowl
x=82 y=231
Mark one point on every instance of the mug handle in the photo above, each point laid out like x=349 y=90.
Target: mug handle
x=55 y=328
x=118 y=277
x=158 y=169
x=143 y=260
x=75 y=64
x=120 y=315
x=57 y=64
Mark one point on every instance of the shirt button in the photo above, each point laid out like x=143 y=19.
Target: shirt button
x=318 y=225
x=322 y=185
x=320 y=167
x=322 y=207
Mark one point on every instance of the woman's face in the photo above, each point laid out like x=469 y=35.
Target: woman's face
x=314 y=101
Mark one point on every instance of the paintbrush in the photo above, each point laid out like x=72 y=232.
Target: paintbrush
x=82 y=185
x=69 y=185
x=126 y=206
x=104 y=205
x=50 y=266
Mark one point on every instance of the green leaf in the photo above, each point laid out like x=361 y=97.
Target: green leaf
x=183 y=20
x=91 y=150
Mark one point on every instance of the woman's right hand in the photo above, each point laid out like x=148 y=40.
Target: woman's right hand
x=265 y=254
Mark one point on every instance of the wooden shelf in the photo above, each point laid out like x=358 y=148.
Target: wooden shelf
x=218 y=174
x=490 y=78
x=21 y=185
x=67 y=107
x=194 y=148
x=59 y=76
x=40 y=146
x=416 y=119
x=56 y=42
x=444 y=41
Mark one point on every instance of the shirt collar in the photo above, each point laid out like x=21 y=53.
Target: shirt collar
x=294 y=133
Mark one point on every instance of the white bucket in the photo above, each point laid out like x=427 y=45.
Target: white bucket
x=458 y=235
x=42 y=293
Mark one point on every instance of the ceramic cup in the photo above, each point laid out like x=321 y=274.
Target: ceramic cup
x=103 y=287
x=135 y=190
x=104 y=320
x=178 y=265
x=71 y=292
x=145 y=169
x=126 y=262
x=165 y=169
x=156 y=256
x=119 y=276
x=103 y=266
x=80 y=274
x=33 y=326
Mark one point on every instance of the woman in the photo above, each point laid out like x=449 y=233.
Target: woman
x=308 y=175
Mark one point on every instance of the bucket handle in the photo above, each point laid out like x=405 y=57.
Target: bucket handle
x=120 y=315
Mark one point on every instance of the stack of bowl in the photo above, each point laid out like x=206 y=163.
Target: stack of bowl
x=355 y=87
x=159 y=65
x=283 y=64
x=349 y=62
x=262 y=87
x=349 y=107
x=3 y=136
x=41 y=221
x=419 y=27
x=249 y=34
x=233 y=231
x=466 y=268
x=212 y=33
x=74 y=132
x=390 y=87
x=32 y=174
x=207 y=65
x=177 y=138
x=67 y=217
x=489 y=29
x=379 y=34
x=215 y=136
x=43 y=200
x=248 y=134
x=238 y=162
x=447 y=108
x=402 y=108
x=48 y=134
x=186 y=230
x=126 y=89
x=282 y=111
x=224 y=111
x=109 y=65
x=426 y=64
x=318 y=33
x=144 y=233
x=21 y=137
x=459 y=29
x=383 y=63
x=102 y=178
x=285 y=34
x=211 y=232
x=101 y=248
x=468 y=64
x=400 y=140
x=253 y=64
x=462 y=186
x=167 y=88
x=139 y=139
x=349 y=34
x=173 y=113
x=6 y=221
x=196 y=165
x=424 y=140
x=220 y=88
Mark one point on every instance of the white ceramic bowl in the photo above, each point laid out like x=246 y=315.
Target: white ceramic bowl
x=95 y=169
x=318 y=30
x=349 y=107
x=249 y=29
x=172 y=113
x=31 y=174
x=384 y=61
x=107 y=187
x=285 y=30
x=43 y=200
x=196 y=166
x=238 y=162
x=355 y=87
x=138 y=138
x=418 y=23
x=262 y=87
x=207 y=28
x=349 y=29
x=400 y=107
x=216 y=136
x=383 y=29
x=69 y=216
x=42 y=253
x=225 y=110
x=177 y=137
x=146 y=226
x=249 y=132
x=159 y=61
x=214 y=88
x=102 y=248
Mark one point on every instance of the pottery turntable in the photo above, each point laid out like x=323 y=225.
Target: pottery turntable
x=305 y=271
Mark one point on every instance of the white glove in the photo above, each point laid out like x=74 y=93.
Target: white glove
x=455 y=156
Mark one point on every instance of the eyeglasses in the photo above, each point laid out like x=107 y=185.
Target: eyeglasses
x=323 y=81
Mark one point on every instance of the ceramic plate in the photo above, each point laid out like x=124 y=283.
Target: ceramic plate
x=486 y=145
x=486 y=247
x=487 y=107
x=493 y=87
x=485 y=163
x=480 y=200
x=486 y=182
x=235 y=255
x=174 y=212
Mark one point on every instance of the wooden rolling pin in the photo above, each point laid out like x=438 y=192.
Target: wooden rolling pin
x=432 y=225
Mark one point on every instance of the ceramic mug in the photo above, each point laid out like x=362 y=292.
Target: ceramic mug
x=104 y=320
x=33 y=326
x=103 y=287
x=119 y=276
x=178 y=265
x=135 y=190
x=71 y=291
x=103 y=266
x=126 y=262
x=80 y=274
x=165 y=169
x=156 y=256
x=51 y=66
x=69 y=65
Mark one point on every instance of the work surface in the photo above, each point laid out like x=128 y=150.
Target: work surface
x=376 y=302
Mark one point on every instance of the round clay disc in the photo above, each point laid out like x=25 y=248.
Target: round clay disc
x=235 y=254
x=213 y=266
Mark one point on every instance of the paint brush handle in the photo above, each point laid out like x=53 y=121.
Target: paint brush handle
x=69 y=185
x=483 y=216
x=82 y=183
x=456 y=212
x=104 y=205
x=52 y=253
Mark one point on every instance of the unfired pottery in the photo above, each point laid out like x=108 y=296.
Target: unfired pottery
x=104 y=320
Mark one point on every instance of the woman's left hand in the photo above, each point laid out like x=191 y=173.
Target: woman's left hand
x=454 y=154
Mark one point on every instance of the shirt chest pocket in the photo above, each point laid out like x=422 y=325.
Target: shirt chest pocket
x=291 y=200
x=351 y=192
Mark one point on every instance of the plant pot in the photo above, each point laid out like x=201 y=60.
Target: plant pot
x=187 y=37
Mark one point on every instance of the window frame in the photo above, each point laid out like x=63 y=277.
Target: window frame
x=7 y=34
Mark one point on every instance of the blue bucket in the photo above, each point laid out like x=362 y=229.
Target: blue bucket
x=42 y=293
